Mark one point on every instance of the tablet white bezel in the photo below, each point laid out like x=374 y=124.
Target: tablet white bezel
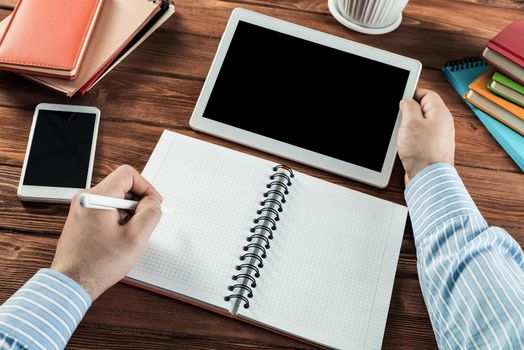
x=56 y=194
x=298 y=154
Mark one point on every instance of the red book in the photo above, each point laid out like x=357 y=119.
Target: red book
x=506 y=51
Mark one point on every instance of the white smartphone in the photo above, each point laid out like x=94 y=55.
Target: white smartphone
x=60 y=153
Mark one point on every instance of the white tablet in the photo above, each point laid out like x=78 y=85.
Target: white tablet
x=307 y=96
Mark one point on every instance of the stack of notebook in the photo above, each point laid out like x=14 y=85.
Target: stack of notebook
x=70 y=48
x=506 y=52
x=500 y=91
x=494 y=88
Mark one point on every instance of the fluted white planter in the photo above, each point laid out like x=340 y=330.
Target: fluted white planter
x=369 y=16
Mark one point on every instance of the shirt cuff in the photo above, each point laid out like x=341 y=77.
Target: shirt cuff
x=45 y=312
x=435 y=195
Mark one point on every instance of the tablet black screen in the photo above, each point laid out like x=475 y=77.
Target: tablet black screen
x=308 y=95
x=61 y=149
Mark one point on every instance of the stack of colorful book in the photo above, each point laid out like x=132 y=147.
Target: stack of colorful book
x=69 y=46
x=500 y=91
x=495 y=88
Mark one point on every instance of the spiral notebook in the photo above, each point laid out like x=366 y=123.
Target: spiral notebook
x=271 y=246
x=463 y=72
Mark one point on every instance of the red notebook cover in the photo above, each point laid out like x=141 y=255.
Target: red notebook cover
x=48 y=37
x=510 y=43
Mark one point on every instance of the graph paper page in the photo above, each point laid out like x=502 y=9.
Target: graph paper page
x=329 y=275
x=215 y=193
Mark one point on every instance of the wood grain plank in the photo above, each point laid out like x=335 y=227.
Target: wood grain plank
x=7 y=4
x=459 y=36
x=436 y=15
x=147 y=99
x=194 y=16
x=518 y=4
x=103 y=338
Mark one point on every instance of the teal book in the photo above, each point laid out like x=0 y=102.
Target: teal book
x=460 y=74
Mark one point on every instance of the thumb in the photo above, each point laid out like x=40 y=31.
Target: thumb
x=146 y=217
x=410 y=110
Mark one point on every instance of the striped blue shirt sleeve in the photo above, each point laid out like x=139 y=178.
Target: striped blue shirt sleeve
x=471 y=275
x=44 y=313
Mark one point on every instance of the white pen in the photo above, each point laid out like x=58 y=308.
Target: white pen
x=95 y=201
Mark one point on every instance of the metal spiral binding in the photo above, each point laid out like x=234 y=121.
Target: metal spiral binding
x=465 y=63
x=261 y=233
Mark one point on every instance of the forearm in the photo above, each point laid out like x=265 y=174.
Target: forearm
x=44 y=313
x=471 y=275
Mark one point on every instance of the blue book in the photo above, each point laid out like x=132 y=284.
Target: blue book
x=462 y=73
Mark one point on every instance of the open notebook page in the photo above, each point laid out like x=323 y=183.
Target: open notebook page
x=215 y=193
x=329 y=275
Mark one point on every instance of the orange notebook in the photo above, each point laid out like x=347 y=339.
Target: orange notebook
x=48 y=37
x=499 y=108
x=119 y=22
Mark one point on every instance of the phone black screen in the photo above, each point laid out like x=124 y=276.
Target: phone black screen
x=60 y=150
x=308 y=95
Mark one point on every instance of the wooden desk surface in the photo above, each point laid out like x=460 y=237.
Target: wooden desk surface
x=157 y=87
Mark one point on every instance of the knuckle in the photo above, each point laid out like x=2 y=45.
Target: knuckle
x=436 y=99
x=433 y=94
x=410 y=102
x=152 y=207
x=126 y=168
x=407 y=105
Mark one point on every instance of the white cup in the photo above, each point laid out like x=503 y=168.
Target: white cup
x=372 y=14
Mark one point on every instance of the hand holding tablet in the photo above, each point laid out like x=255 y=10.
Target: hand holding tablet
x=307 y=96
